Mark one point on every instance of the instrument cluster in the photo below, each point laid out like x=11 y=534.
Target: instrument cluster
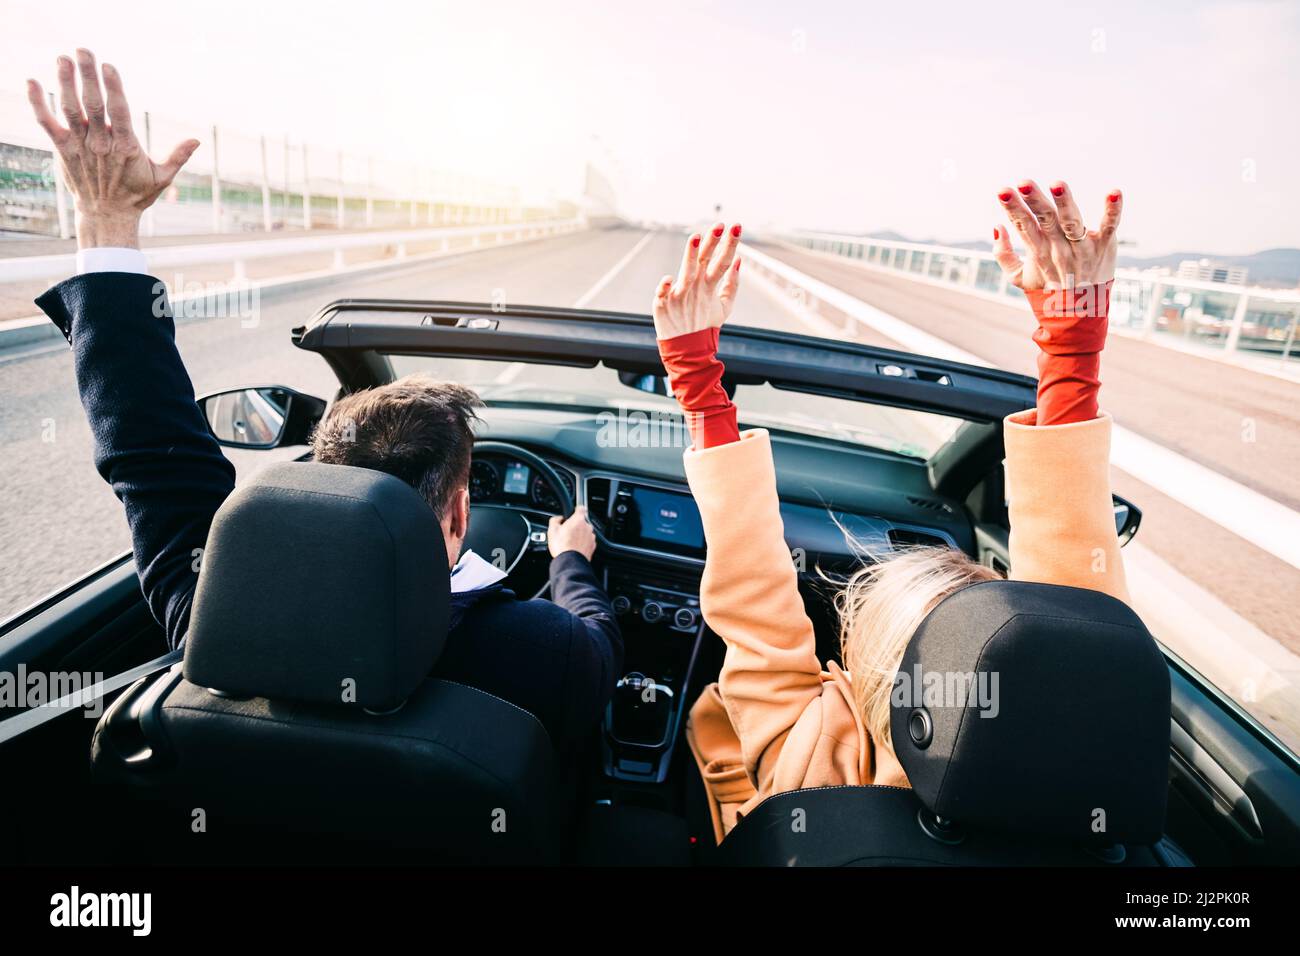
x=506 y=482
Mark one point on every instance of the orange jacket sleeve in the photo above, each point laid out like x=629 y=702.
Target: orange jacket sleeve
x=1062 y=515
x=750 y=598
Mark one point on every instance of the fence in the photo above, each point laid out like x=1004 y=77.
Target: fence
x=241 y=183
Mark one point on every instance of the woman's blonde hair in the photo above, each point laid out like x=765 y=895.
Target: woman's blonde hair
x=880 y=607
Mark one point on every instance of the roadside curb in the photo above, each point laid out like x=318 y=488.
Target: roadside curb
x=28 y=331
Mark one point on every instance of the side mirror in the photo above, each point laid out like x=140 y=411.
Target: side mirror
x=261 y=417
x=1127 y=519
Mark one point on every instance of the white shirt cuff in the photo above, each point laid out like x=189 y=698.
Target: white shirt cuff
x=111 y=259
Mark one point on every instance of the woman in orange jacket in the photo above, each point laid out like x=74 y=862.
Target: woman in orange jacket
x=776 y=720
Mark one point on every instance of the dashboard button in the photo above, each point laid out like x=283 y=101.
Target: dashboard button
x=622 y=604
x=684 y=618
x=652 y=612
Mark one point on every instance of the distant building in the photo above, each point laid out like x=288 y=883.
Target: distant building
x=1210 y=270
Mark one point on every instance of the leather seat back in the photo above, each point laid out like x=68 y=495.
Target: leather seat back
x=303 y=716
x=1032 y=722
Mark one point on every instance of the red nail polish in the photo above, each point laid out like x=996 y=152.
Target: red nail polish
x=1026 y=189
x=1058 y=190
x=695 y=241
x=737 y=265
x=995 y=233
x=735 y=231
x=1113 y=197
x=717 y=232
x=1005 y=196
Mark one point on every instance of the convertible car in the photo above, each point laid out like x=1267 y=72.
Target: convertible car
x=216 y=752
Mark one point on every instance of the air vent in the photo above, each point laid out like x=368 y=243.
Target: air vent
x=598 y=498
x=929 y=504
x=909 y=538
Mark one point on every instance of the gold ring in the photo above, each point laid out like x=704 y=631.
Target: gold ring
x=1079 y=238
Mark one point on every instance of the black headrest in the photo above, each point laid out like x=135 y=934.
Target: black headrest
x=1065 y=729
x=320 y=583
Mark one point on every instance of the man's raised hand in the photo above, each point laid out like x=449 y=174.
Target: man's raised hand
x=111 y=178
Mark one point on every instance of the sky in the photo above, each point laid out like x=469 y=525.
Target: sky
x=865 y=116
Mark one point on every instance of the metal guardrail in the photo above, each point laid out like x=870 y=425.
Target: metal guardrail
x=1234 y=318
x=28 y=268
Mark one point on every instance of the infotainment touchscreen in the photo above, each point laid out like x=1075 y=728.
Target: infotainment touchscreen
x=667 y=518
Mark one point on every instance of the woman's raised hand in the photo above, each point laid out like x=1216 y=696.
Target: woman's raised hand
x=1062 y=253
x=704 y=292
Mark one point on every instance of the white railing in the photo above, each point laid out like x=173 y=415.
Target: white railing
x=240 y=182
x=1231 y=318
x=238 y=253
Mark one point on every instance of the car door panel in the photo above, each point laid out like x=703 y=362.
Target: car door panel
x=49 y=810
x=1235 y=795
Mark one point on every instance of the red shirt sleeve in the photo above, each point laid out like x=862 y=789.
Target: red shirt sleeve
x=1071 y=334
x=695 y=377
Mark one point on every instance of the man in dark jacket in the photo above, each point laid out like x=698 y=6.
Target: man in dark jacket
x=557 y=660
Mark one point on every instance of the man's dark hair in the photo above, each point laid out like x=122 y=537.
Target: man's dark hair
x=415 y=429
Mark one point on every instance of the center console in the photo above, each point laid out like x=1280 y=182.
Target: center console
x=659 y=614
x=652 y=571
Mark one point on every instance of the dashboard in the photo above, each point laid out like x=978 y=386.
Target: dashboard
x=651 y=518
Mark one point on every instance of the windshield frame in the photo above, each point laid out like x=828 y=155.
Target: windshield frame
x=355 y=336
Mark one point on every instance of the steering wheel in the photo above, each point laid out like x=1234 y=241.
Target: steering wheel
x=502 y=533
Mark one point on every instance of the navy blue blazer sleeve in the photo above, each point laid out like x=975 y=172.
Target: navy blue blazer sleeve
x=152 y=443
x=595 y=658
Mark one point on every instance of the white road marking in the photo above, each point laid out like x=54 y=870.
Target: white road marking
x=509 y=373
x=1265 y=523
x=608 y=277
x=512 y=371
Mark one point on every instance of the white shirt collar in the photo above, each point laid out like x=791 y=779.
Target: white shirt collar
x=472 y=573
